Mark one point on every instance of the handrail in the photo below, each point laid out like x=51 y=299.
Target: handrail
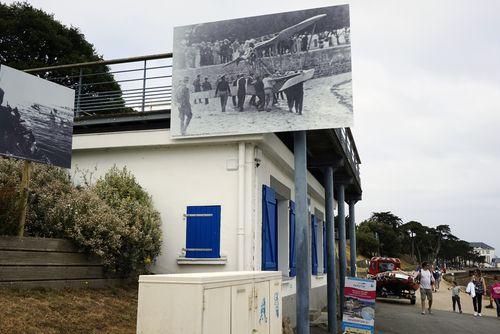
x=102 y=62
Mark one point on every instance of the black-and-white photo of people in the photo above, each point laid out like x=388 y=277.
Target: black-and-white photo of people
x=295 y=66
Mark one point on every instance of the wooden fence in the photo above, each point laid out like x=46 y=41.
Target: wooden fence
x=50 y=263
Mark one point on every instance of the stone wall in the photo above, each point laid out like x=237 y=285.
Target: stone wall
x=326 y=62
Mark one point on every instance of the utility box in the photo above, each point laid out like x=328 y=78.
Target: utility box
x=238 y=302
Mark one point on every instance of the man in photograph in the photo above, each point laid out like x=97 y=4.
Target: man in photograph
x=4 y=119
x=206 y=86
x=197 y=86
x=183 y=100
x=223 y=91
x=259 y=91
x=268 y=91
x=242 y=91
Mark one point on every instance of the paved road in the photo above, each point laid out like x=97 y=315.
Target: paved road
x=394 y=317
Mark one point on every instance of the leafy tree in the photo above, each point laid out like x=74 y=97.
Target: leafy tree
x=31 y=38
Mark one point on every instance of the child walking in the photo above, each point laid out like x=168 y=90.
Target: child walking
x=455 y=297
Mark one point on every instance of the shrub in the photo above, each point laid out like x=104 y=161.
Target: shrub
x=10 y=177
x=81 y=216
x=142 y=236
x=115 y=219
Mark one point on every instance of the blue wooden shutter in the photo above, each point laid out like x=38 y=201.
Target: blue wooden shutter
x=314 y=245
x=292 y=264
x=324 y=248
x=203 y=231
x=269 y=227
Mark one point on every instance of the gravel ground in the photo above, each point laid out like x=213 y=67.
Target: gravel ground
x=327 y=103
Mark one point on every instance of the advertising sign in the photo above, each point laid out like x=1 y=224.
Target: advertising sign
x=36 y=118
x=281 y=72
x=359 y=306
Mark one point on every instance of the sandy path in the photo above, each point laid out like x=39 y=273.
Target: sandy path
x=442 y=301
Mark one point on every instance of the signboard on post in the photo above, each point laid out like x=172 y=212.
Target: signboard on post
x=281 y=72
x=36 y=118
x=359 y=306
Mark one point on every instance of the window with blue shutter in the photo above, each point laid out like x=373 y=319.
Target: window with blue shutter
x=203 y=231
x=292 y=263
x=324 y=248
x=269 y=229
x=314 y=245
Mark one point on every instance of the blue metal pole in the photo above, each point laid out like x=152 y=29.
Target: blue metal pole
x=330 y=253
x=301 y=228
x=352 y=237
x=342 y=243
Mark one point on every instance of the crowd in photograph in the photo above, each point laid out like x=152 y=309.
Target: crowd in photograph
x=194 y=55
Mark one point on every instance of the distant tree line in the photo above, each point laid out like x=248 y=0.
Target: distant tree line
x=386 y=234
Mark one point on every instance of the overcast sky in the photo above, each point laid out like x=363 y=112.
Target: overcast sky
x=426 y=81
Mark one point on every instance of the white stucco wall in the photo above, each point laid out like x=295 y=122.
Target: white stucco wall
x=200 y=172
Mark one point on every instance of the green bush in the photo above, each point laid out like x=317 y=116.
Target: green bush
x=114 y=219
x=10 y=177
x=142 y=235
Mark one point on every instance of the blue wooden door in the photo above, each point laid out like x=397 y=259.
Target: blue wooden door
x=269 y=229
x=203 y=231
x=314 y=247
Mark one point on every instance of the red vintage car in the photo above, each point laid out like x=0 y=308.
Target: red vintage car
x=391 y=280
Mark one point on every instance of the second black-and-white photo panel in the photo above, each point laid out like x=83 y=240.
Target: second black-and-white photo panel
x=281 y=72
x=36 y=118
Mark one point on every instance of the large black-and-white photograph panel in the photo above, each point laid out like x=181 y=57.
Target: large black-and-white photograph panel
x=36 y=118
x=281 y=72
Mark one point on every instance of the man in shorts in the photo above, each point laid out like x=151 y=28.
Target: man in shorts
x=426 y=279
x=183 y=98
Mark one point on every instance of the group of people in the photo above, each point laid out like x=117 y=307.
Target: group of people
x=15 y=137
x=476 y=289
x=263 y=95
x=194 y=55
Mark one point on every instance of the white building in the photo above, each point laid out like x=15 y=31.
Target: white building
x=226 y=203
x=484 y=250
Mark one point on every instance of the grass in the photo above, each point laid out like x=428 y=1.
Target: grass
x=85 y=311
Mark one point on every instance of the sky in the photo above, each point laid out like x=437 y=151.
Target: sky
x=426 y=90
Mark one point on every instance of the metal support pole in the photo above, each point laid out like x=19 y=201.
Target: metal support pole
x=342 y=243
x=144 y=87
x=352 y=237
x=79 y=92
x=301 y=228
x=330 y=253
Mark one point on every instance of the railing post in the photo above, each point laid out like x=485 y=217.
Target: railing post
x=79 y=92
x=144 y=87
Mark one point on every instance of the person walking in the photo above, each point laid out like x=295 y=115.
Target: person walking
x=426 y=279
x=437 y=278
x=197 y=87
x=206 y=86
x=479 y=289
x=223 y=91
x=242 y=91
x=183 y=97
x=455 y=297
x=495 y=295
x=268 y=91
x=259 y=91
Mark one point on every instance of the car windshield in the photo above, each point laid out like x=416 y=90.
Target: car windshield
x=386 y=266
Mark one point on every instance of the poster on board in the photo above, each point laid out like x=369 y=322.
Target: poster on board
x=36 y=118
x=271 y=73
x=359 y=306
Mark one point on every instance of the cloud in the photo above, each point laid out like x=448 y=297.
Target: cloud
x=426 y=80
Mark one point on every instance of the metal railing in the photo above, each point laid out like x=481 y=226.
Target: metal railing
x=117 y=86
x=134 y=85
x=344 y=136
